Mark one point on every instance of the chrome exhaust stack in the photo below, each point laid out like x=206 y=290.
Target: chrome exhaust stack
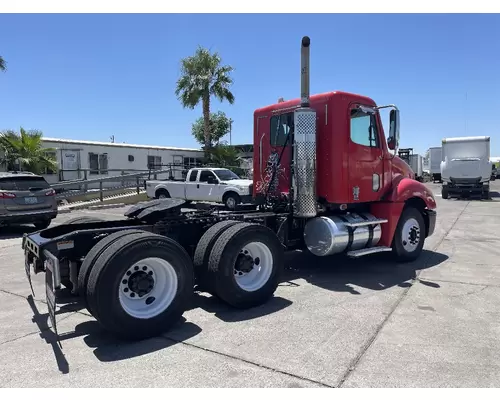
x=304 y=152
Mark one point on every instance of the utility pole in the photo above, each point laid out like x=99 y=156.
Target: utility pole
x=230 y=130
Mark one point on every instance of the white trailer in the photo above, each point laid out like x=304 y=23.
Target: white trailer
x=435 y=158
x=466 y=166
x=417 y=165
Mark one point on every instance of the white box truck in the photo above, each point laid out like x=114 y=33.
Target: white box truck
x=435 y=158
x=466 y=166
x=417 y=165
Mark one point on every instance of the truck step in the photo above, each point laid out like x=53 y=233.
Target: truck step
x=365 y=223
x=369 y=250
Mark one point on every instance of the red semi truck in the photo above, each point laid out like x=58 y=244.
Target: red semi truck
x=326 y=181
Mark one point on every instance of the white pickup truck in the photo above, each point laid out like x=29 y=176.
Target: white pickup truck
x=217 y=185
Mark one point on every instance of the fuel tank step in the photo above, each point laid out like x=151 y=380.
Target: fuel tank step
x=369 y=250
x=369 y=222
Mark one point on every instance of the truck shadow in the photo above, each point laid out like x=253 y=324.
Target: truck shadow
x=107 y=348
x=15 y=231
x=343 y=274
x=336 y=273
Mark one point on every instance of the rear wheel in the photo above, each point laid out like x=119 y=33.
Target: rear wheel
x=444 y=192
x=91 y=258
x=140 y=285
x=409 y=235
x=245 y=265
x=65 y=265
x=162 y=194
x=203 y=249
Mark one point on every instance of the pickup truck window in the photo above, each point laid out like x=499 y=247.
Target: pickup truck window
x=192 y=175
x=205 y=176
x=225 y=174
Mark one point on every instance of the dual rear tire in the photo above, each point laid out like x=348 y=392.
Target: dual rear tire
x=138 y=284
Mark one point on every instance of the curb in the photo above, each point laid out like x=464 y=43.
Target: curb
x=104 y=206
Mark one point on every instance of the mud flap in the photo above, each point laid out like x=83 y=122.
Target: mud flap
x=50 y=292
x=27 y=269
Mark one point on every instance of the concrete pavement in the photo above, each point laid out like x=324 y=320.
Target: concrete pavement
x=333 y=322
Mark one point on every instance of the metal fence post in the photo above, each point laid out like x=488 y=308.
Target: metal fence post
x=100 y=191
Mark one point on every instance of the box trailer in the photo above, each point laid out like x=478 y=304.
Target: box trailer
x=466 y=167
x=435 y=158
x=417 y=165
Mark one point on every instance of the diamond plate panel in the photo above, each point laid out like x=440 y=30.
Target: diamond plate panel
x=305 y=203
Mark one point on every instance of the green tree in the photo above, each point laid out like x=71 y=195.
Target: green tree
x=204 y=76
x=26 y=148
x=3 y=64
x=219 y=127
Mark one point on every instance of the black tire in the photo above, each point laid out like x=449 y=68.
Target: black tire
x=444 y=193
x=39 y=225
x=231 y=201
x=92 y=256
x=398 y=249
x=162 y=194
x=202 y=252
x=105 y=282
x=486 y=195
x=221 y=267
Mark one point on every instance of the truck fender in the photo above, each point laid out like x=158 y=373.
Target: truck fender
x=406 y=192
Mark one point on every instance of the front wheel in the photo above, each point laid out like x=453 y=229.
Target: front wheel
x=231 y=201
x=409 y=236
x=444 y=193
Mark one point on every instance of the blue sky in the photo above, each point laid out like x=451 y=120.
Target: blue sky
x=92 y=76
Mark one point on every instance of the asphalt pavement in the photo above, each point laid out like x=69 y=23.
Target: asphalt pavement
x=333 y=322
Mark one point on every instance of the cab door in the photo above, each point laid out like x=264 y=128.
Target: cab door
x=366 y=169
x=274 y=136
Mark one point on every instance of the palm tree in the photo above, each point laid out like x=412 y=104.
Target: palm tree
x=26 y=148
x=203 y=76
x=2 y=64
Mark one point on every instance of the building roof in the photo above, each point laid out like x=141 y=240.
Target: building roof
x=135 y=146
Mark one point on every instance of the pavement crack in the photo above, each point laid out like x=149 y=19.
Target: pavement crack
x=250 y=362
x=403 y=295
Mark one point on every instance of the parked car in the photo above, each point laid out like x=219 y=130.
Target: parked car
x=218 y=185
x=26 y=198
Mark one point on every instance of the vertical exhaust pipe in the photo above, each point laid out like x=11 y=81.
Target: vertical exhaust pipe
x=304 y=145
x=304 y=72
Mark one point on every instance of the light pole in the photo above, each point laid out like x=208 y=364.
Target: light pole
x=230 y=130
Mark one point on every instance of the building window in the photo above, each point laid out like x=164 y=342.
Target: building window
x=154 y=162
x=192 y=162
x=98 y=163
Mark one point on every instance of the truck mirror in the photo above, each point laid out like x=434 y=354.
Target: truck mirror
x=393 y=140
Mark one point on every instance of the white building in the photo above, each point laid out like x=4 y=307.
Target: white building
x=80 y=159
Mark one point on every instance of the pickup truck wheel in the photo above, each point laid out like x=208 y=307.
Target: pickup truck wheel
x=409 y=236
x=162 y=194
x=202 y=252
x=140 y=285
x=444 y=193
x=231 y=200
x=245 y=265
x=91 y=258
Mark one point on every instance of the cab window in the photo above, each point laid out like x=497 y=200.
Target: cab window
x=205 y=176
x=364 y=128
x=281 y=128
